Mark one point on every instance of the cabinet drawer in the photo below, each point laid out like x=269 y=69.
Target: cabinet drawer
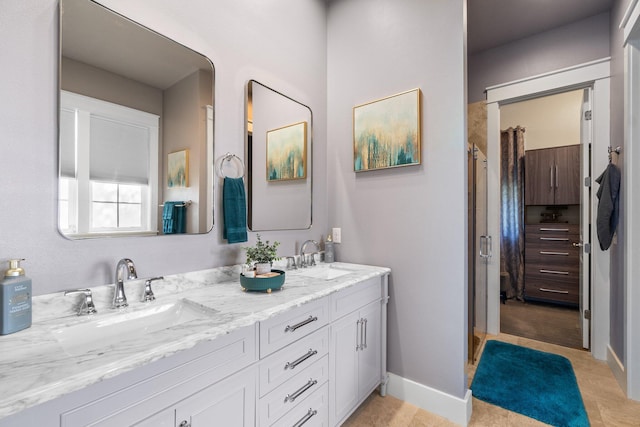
x=287 y=362
x=224 y=356
x=289 y=327
x=552 y=228
x=311 y=412
x=351 y=299
x=552 y=291
x=292 y=393
x=568 y=273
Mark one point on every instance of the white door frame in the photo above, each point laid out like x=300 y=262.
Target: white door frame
x=629 y=377
x=595 y=74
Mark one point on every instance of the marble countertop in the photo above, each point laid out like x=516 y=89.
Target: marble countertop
x=35 y=368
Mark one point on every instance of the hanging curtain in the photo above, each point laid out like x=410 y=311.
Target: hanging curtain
x=512 y=209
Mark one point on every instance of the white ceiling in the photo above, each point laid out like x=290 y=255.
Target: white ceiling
x=491 y=23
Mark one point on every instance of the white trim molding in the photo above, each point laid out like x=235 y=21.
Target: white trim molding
x=616 y=367
x=631 y=183
x=445 y=405
x=594 y=74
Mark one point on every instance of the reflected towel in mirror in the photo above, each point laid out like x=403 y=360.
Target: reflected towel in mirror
x=234 y=210
x=174 y=218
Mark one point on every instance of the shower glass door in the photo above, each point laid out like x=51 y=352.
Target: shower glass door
x=480 y=251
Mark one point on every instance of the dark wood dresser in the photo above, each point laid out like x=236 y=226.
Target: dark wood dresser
x=552 y=264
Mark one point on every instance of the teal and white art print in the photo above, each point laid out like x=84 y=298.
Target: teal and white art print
x=287 y=152
x=386 y=132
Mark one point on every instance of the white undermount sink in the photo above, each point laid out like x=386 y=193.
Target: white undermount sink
x=109 y=329
x=324 y=272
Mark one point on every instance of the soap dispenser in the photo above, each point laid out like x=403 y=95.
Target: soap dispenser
x=15 y=299
x=329 y=255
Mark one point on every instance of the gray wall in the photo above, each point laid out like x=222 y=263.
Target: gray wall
x=412 y=219
x=577 y=43
x=244 y=39
x=617 y=297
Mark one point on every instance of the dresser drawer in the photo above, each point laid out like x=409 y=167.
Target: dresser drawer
x=282 y=330
x=311 y=412
x=561 y=272
x=552 y=229
x=293 y=392
x=349 y=300
x=566 y=292
x=287 y=362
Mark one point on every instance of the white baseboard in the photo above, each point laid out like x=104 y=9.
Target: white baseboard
x=450 y=407
x=617 y=368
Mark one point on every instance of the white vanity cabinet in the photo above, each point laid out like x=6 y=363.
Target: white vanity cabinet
x=357 y=362
x=313 y=353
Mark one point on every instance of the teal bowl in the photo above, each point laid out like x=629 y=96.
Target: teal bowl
x=263 y=284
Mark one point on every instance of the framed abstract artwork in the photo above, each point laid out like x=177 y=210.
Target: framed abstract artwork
x=287 y=152
x=178 y=169
x=386 y=132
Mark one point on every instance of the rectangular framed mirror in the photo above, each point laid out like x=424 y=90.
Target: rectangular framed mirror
x=279 y=160
x=130 y=99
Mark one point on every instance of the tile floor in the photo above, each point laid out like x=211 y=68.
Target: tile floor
x=604 y=400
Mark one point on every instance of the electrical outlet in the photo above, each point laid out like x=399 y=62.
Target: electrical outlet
x=337 y=235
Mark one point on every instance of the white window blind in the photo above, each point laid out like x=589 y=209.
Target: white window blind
x=119 y=151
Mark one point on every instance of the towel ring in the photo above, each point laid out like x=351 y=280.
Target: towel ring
x=228 y=158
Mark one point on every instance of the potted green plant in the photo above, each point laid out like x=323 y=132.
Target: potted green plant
x=262 y=255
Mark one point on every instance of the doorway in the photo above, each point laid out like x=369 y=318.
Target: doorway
x=541 y=216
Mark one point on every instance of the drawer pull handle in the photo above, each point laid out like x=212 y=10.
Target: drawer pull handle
x=294 y=396
x=566 y=230
x=290 y=328
x=554 y=253
x=291 y=365
x=556 y=239
x=306 y=418
x=553 y=291
x=554 y=272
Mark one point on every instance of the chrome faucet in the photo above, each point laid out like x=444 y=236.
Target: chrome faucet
x=303 y=262
x=125 y=266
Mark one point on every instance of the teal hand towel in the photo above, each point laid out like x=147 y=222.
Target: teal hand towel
x=234 y=210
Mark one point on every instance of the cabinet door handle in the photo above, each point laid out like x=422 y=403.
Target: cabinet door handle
x=358 y=331
x=306 y=418
x=554 y=291
x=290 y=328
x=551 y=177
x=555 y=239
x=291 y=365
x=301 y=390
x=488 y=244
x=556 y=176
x=554 y=272
x=554 y=253
x=365 y=333
x=566 y=230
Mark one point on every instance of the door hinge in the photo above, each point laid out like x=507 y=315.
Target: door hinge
x=588 y=114
x=587 y=181
x=587 y=248
x=587 y=314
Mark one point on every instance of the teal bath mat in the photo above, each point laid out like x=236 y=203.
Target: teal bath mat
x=533 y=383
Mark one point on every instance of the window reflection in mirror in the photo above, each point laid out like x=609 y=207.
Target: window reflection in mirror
x=279 y=160
x=129 y=97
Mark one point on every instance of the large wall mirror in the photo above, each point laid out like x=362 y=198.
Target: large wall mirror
x=135 y=129
x=279 y=160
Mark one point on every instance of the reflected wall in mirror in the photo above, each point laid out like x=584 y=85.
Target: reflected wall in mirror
x=279 y=160
x=129 y=97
